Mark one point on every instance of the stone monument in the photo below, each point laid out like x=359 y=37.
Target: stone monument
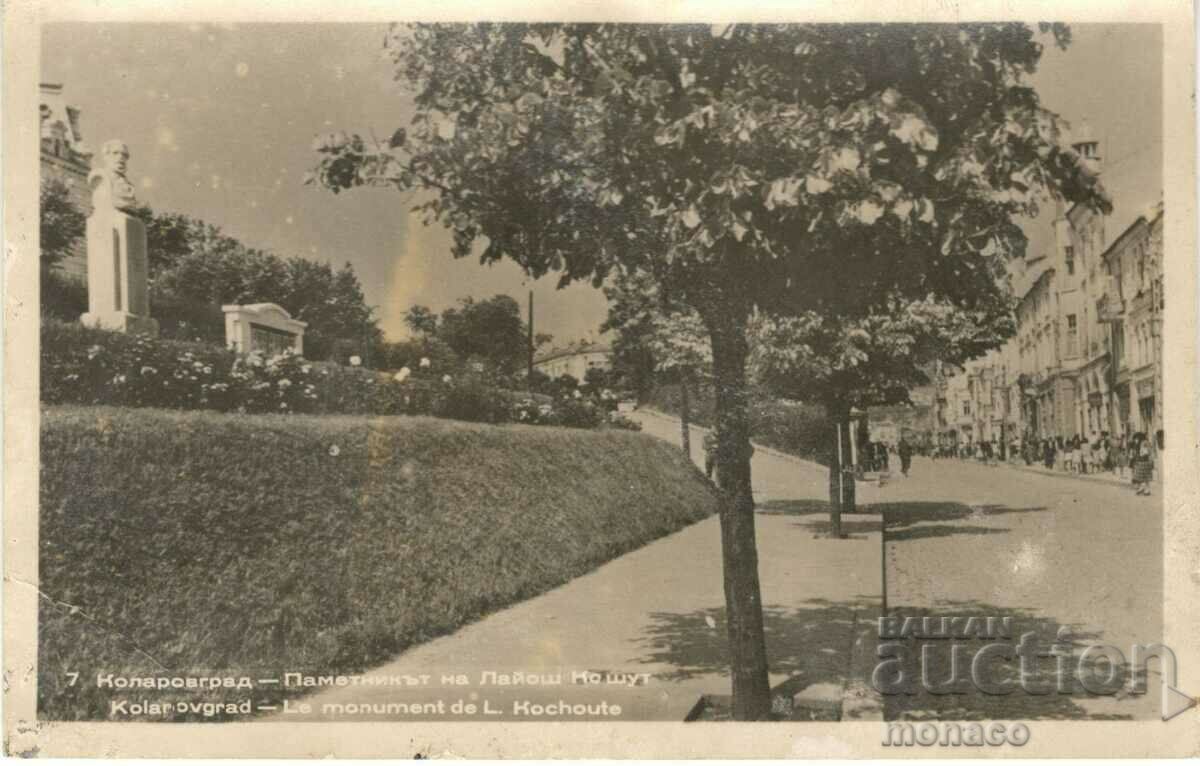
x=116 y=250
x=265 y=327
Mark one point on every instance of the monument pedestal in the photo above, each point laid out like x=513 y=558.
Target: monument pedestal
x=117 y=273
x=121 y=321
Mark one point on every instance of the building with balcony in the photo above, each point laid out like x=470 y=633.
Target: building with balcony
x=1087 y=358
x=1060 y=340
x=1131 y=306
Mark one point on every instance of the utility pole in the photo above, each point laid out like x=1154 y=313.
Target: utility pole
x=530 y=370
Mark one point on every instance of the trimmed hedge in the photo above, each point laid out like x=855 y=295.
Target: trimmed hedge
x=176 y=543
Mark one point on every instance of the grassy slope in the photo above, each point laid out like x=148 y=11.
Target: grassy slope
x=204 y=542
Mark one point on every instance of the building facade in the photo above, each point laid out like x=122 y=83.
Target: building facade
x=915 y=421
x=1132 y=306
x=1087 y=357
x=65 y=158
x=575 y=361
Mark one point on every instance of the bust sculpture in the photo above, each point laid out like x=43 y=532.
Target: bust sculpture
x=117 y=285
x=111 y=190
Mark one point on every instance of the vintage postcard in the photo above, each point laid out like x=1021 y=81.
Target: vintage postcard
x=563 y=380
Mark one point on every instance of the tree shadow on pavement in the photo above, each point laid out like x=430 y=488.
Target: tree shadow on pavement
x=813 y=515
x=811 y=643
x=905 y=520
x=920 y=520
x=1002 y=695
x=806 y=507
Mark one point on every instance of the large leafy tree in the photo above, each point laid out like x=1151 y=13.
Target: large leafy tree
x=62 y=223
x=195 y=268
x=631 y=320
x=778 y=169
x=421 y=320
x=671 y=339
x=858 y=362
x=491 y=329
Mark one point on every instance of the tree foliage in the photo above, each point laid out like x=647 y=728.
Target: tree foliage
x=195 y=268
x=491 y=329
x=872 y=360
x=669 y=338
x=829 y=165
x=421 y=320
x=61 y=222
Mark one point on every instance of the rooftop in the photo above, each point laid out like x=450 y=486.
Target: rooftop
x=582 y=347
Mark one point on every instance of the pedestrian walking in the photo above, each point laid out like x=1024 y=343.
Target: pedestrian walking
x=905 y=450
x=1099 y=455
x=1120 y=457
x=1048 y=454
x=710 y=452
x=1143 y=465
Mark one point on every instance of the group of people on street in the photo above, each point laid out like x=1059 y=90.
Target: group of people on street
x=876 y=456
x=1129 y=458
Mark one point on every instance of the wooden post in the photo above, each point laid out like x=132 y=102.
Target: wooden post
x=850 y=428
x=883 y=561
x=530 y=371
x=836 y=514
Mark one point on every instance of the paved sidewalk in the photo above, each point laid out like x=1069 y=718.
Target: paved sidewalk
x=660 y=611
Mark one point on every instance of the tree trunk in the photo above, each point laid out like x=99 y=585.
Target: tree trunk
x=743 y=599
x=685 y=416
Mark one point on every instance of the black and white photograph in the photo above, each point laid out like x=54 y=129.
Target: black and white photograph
x=474 y=372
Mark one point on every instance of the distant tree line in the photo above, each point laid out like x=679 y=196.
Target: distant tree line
x=487 y=334
x=195 y=268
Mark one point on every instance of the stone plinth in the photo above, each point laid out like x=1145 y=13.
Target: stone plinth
x=117 y=272
x=264 y=327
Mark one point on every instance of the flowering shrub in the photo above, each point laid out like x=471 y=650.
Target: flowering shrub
x=534 y=412
x=83 y=365
x=86 y=366
x=280 y=383
x=471 y=400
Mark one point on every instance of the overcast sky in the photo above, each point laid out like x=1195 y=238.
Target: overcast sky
x=220 y=120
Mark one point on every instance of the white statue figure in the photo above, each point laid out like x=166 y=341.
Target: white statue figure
x=110 y=188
